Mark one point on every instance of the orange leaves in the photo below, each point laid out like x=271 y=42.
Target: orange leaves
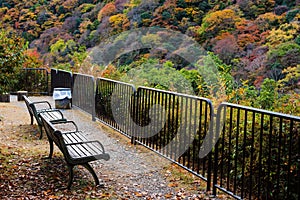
x=33 y=59
x=173 y=184
x=107 y=10
x=111 y=72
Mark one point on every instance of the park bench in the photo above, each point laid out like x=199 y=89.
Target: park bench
x=75 y=147
x=37 y=107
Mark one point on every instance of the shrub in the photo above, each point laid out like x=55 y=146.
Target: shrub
x=12 y=57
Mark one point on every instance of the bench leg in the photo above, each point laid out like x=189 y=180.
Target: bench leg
x=91 y=170
x=31 y=118
x=51 y=147
x=71 y=176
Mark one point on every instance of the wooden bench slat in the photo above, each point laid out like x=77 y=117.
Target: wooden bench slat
x=96 y=148
x=73 y=137
x=76 y=152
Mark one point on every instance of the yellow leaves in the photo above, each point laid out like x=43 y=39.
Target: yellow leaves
x=86 y=7
x=116 y=20
x=146 y=22
x=26 y=15
x=268 y=20
x=292 y=76
x=218 y=21
x=106 y=194
x=286 y=32
x=120 y=22
x=220 y=16
x=3 y=11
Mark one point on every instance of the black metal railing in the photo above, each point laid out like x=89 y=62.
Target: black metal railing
x=257 y=154
x=34 y=81
x=175 y=125
x=61 y=79
x=83 y=95
x=113 y=99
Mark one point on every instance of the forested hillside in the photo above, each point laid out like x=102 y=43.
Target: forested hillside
x=255 y=43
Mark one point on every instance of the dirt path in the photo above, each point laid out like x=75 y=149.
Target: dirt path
x=133 y=172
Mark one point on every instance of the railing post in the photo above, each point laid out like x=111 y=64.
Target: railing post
x=210 y=164
x=94 y=101
x=216 y=149
x=135 y=114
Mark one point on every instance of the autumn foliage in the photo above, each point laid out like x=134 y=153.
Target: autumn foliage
x=258 y=39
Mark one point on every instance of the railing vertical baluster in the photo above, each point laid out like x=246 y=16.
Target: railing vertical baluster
x=195 y=126
x=178 y=119
x=182 y=126
x=260 y=155
x=244 y=152
x=223 y=156
x=278 y=157
x=229 y=150
x=158 y=143
x=236 y=149
x=290 y=155
x=270 y=154
x=169 y=129
x=185 y=129
x=174 y=125
x=252 y=152
x=205 y=132
x=148 y=127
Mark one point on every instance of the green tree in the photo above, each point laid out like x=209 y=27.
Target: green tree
x=12 y=57
x=152 y=73
x=268 y=94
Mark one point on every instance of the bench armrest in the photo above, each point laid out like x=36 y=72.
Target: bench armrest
x=51 y=111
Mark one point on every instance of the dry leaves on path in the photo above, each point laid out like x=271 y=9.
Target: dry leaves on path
x=24 y=174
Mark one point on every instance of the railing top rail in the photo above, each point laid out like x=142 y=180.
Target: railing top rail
x=178 y=94
x=61 y=70
x=35 y=69
x=86 y=75
x=262 y=111
x=119 y=82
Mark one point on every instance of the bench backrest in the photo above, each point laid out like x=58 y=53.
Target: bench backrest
x=55 y=135
x=28 y=102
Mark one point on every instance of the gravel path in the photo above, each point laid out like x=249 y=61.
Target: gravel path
x=133 y=172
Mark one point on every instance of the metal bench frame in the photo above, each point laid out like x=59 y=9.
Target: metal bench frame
x=46 y=107
x=76 y=148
